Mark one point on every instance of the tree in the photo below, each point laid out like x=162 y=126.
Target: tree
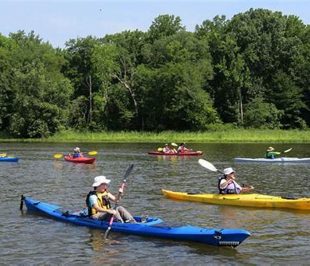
x=115 y=62
x=164 y=26
x=260 y=114
x=172 y=84
x=287 y=97
x=79 y=69
x=36 y=90
x=231 y=76
x=252 y=52
x=271 y=44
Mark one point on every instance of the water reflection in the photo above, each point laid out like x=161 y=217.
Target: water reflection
x=96 y=240
x=57 y=165
x=172 y=158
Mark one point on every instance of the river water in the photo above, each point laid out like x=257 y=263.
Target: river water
x=278 y=236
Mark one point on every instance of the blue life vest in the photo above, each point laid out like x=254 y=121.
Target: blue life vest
x=76 y=155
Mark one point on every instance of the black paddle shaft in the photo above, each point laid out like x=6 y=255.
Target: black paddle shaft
x=128 y=171
x=21 y=202
x=126 y=175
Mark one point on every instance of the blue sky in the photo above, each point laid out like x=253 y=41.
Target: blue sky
x=57 y=21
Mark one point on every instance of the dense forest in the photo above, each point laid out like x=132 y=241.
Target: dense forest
x=251 y=71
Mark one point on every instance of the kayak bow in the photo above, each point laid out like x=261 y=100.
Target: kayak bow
x=152 y=227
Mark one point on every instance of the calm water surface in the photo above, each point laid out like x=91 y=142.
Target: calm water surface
x=278 y=236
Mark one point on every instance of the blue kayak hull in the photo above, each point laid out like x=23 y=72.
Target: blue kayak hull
x=152 y=227
x=9 y=159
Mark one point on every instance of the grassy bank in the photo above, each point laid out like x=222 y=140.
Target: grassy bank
x=230 y=135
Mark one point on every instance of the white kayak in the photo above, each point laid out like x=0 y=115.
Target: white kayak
x=275 y=160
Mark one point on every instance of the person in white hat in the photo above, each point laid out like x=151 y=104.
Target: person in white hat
x=228 y=185
x=99 y=200
x=77 y=152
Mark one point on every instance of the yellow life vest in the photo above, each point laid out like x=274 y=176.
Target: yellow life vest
x=102 y=200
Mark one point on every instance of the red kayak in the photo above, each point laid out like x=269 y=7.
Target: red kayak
x=87 y=160
x=185 y=153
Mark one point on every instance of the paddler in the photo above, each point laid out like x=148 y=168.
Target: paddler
x=77 y=152
x=271 y=154
x=99 y=205
x=228 y=185
x=182 y=148
x=167 y=149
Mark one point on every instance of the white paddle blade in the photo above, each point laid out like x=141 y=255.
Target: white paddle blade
x=207 y=165
x=174 y=144
x=288 y=150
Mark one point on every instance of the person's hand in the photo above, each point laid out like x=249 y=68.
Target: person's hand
x=113 y=212
x=120 y=190
x=231 y=178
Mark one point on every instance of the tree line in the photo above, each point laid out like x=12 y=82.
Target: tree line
x=251 y=71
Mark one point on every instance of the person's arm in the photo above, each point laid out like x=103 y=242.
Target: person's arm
x=95 y=205
x=272 y=154
x=99 y=209
x=116 y=198
x=224 y=183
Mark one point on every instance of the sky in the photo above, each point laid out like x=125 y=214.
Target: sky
x=58 y=21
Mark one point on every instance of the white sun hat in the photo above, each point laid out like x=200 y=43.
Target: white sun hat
x=228 y=171
x=101 y=179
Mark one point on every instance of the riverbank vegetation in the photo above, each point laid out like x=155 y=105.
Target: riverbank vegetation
x=252 y=71
x=219 y=136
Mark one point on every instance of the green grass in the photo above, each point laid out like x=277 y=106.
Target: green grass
x=220 y=136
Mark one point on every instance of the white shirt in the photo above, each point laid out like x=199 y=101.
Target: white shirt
x=231 y=184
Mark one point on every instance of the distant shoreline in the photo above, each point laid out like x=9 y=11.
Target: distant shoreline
x=228 y=136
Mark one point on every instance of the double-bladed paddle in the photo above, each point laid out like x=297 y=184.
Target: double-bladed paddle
x=127 y=173
x=288 y=150
x=208 y=166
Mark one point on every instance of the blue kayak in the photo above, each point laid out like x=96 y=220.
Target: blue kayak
x=151 y=227
x=9 y=159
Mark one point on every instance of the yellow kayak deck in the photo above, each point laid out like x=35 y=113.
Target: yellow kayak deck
x=245 y=200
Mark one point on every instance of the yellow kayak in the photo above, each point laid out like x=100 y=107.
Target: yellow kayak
x=245 y=200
